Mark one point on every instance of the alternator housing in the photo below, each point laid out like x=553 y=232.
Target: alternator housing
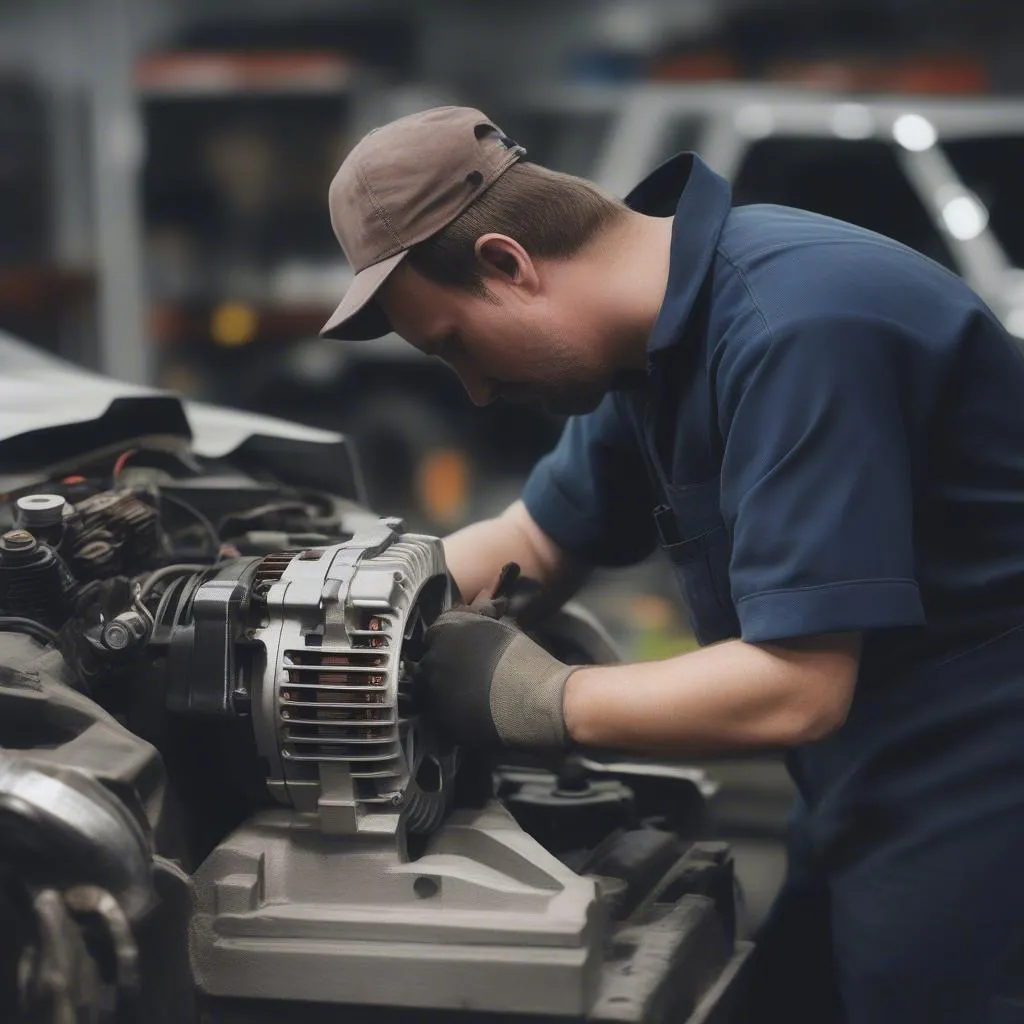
x=331 y=705
x=317 y=647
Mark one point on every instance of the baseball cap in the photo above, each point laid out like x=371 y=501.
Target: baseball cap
x=401 y=184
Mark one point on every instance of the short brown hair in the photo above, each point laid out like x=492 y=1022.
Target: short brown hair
x=550 y=214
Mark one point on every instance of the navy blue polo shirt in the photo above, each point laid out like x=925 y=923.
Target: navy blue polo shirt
x=829 y=437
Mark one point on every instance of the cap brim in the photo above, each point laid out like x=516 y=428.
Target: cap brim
x=358 y=317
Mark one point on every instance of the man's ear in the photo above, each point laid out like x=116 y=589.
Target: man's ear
x=504 y=261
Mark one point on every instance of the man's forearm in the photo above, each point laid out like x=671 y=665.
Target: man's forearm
x=475 y=554
x=730 y=697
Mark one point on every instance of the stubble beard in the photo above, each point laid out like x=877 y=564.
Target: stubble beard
x=570 y=388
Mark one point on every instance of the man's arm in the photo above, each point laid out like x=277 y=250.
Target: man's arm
x=732 y=696
x=476 y=553
x=587 y=502
x=487 y=684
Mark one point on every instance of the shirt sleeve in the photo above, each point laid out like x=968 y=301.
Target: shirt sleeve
x=591 y=495
x=817 y=481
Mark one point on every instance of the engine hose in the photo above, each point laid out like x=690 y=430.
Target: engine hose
x=36 y=630
x=167 y=572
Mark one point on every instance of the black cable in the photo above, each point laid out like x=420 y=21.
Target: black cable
x=169 y=570
x=210 y=529
x=250 y=516
x=36 y=630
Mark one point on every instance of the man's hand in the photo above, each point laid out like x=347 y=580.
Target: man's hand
x=486 y=684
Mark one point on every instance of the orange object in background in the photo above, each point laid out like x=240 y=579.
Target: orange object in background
x=38 y=301
x=706 y=66
x=204 y=72
x=950 y=75
x=443 y=485
x=947 y=74
x=932 y=74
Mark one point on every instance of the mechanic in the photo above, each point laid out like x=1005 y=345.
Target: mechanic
x=824 y=431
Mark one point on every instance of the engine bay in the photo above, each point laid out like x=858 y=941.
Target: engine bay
x=219 y=801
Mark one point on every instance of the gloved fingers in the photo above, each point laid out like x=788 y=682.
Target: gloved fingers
x=493 y=600
x=453 y=618
x=529 y=602
x=493 y=608
x=512 y=596
x=505 y=583
x=486 y=683
x=460 y=630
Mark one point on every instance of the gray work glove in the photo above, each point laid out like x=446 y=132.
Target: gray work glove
x=485 y=684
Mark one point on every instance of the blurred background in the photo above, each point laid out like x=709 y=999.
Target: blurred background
x=164 y=167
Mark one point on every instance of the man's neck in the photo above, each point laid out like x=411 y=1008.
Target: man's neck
x=630 y=268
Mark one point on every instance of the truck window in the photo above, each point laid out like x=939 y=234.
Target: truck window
x=857 y=181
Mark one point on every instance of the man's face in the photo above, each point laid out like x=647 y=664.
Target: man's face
x=508 y=344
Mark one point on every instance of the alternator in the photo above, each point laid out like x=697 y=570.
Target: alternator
x=330 y=709
x=317 y=646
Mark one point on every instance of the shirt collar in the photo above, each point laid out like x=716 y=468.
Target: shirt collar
x=701 y=200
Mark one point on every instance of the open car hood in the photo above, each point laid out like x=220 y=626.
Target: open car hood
x=52 y=412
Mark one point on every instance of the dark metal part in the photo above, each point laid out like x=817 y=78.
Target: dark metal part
x=706 y=869
x=62 y=983
x=202 y=625
x=17 y=541
x=112 y=532
x=90 y=901
x=100 y=922
x=675 y=964
x=125 y=632
x=638 y=860
x=62 y=760
x=32 y=583
x=575 y=816
x=60 y=824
